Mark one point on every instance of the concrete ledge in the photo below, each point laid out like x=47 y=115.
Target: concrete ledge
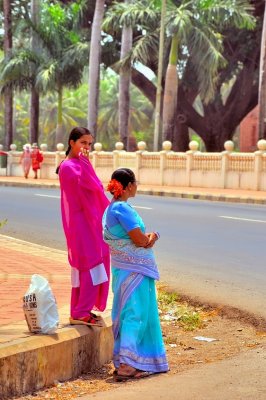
x=37 y=361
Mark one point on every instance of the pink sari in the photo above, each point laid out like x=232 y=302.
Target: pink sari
x=83 y=203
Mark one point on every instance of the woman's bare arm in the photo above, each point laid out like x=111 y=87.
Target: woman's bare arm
x=138 y=237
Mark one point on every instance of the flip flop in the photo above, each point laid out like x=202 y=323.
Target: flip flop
x=89 y=320
x=135 y=375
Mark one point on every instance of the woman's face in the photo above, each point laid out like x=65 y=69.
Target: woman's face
x=132 y=186
x=85 y=142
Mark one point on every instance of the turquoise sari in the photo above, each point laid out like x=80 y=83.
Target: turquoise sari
x=137 y=332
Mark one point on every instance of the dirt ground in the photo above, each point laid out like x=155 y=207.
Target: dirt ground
x=183 y=351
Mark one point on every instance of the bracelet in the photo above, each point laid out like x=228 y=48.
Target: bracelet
x=157 y=234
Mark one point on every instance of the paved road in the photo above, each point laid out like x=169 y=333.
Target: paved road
x=205 y=247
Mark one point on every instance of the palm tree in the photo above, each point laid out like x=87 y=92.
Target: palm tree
x=34 y=100
x=126 y=15
x=262 y=82
x=59 y=62
x=141 y=112
x=159 y=80
x=94 y=66
x=73 y=113
x=8 y=95
x=124 y=85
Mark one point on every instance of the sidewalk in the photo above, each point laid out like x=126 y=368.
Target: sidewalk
x=28 y=362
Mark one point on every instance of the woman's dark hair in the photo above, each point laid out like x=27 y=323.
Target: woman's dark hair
x=124 y=176
x=74 y=135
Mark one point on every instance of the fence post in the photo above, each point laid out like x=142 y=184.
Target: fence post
x=224 y=168
x=167 y=146
x=193 y=145
x=162 y=166
x=257 y=169
x=119 y=146
x=261 y=144
x=115 y=159
x=97 y=149
x=141 y=148
x=58 y=153
x=229 y=147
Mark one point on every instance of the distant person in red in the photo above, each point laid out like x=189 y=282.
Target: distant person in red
x=36 y=159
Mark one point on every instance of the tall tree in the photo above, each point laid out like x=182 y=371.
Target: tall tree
x=8 y=94
x=58 y=63
x=34 y=100
x=124 y=85
x=196 y=27
x=262 y=81
x=198 y=30
x=157 y=121
x=94 y=66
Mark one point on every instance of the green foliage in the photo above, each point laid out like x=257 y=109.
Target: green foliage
x=167 y=298
x=185 y=316
x=2 y=223
x=141 y=112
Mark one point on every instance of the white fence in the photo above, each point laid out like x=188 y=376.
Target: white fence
x=193 y=168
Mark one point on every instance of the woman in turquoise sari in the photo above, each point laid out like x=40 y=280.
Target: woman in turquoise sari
x=138 y=345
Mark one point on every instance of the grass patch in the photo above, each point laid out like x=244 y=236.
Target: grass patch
x=2 y=223
x=180 y=314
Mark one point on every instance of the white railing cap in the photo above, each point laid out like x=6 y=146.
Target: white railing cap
x=229 y=145
x=60 y=146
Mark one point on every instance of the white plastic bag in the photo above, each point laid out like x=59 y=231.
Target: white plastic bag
x=40 y=308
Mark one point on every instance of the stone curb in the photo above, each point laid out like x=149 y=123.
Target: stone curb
x=37 y=361
x=199 y=196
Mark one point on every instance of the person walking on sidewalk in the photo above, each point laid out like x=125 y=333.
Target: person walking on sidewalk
x=36 y=159
x=25 y=160
x=82 y=206
x=138 y=344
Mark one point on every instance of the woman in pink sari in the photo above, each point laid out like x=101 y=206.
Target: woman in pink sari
x=83 y=203
x=25 y=160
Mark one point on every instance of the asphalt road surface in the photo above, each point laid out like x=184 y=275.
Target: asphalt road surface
x=210 y=250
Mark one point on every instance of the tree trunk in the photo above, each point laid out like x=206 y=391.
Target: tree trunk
x=34 y=116
x=8 y=94
x=34 y=101
x=170 y=91
x=94 y=66
x=181 y=133
x=220 y=120
x=124 y=87
x=157 y=122
x=262 y=82
x=59 y=135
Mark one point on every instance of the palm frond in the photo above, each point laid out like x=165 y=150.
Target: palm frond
x=227 y=12
x=47 y=77
x=76 y=54
x=136 y=13
x=207 y=61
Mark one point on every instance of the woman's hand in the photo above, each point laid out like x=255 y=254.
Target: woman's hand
x=152 y=239
x=85 y=152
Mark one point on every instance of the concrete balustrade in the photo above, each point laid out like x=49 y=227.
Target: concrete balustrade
x=227 y=169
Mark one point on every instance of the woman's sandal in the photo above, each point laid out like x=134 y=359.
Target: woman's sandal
x=136 y=374
x=89 y=320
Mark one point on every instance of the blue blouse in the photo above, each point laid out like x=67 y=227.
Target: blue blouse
x=121 y=218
